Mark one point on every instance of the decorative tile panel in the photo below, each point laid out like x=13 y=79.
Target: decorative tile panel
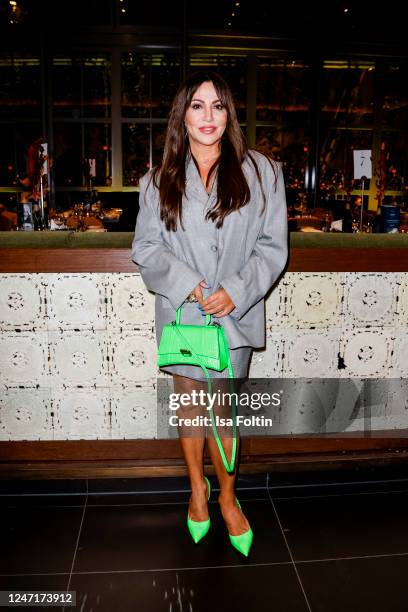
x=134 y=412
x=402 y=308
x=76 y=301
x=78 y=351
x=275 y=307
x=313 y=300
x=132 y=357
x=378 y=423
x=24 y=359
x=81 y=414
x=78 y=359
x=371 y=298
x=268 y=363
x=397 y=399
x=130 y=305
x=311 y=353
x=399 y=363
x=26 y=414
x=367 y=353
x=22 y=302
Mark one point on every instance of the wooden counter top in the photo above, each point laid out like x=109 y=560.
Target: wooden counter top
x=110 y=252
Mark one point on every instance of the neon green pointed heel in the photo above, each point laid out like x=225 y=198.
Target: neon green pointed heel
x=243 y=541
x=198 y=529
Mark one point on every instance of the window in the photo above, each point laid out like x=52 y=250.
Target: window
x=283 y=99
x=149 y=84
x=81 y=109
x=20 y=92
x=74 y=143
x=81 y=86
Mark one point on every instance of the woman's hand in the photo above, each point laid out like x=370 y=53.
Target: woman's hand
x=197 y=292
x=218 y=304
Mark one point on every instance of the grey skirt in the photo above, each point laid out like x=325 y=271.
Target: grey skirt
x=240 y=359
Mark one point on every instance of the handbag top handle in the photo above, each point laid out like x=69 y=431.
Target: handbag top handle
x=178 y=315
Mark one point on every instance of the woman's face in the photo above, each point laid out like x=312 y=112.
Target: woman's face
x=206 y=117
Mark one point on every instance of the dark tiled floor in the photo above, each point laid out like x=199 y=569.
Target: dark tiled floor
x=323 y=541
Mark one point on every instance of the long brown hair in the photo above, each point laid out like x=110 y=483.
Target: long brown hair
x=232 y=188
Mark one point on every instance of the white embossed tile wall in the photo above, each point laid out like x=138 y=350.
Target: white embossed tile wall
x=268 y=363
x=367 y=352
x=134 y=412
x=132 y=357
x=78 y=351
x=22 y=302
x=397 y=398
x=275 y=307
x=24 y=359
x=26 y=414
x=311 y=353
x=399 y=364
x=371 y=298
x=82 y=414
x=76 y=301
x=313 y=299
x=345 y=404
x=402 y=308
x=129 y=304
x=78 y=358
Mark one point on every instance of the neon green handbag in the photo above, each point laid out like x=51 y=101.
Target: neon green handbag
x=205 y=346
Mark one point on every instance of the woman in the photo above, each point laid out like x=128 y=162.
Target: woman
x=211 y=235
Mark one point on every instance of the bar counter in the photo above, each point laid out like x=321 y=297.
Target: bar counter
x=68 y=296
x=36 y=252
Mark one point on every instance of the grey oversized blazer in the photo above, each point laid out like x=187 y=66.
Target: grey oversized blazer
x=245 y=256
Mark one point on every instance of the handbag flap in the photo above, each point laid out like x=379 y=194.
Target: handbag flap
x=203 y=339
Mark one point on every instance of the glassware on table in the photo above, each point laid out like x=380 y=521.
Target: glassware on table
x=58 y=222
x=355 y=224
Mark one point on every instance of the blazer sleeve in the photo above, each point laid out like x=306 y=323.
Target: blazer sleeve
x=268 y=258
x=161 y=271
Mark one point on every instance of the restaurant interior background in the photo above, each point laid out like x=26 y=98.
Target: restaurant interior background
x=95 y=81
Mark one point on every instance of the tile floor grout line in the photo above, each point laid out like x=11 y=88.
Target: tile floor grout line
x=160 y=569
x=213 y=488
x=288 y=548
x=157 y=503
x=77 y=542
x=202 y=567
x=342 y=494
x=40 y=494
x=178 y=503
x=289 y=486
x=335 y=484
x=353 y=557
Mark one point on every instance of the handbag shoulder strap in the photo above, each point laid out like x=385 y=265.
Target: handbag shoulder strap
x=228 y=467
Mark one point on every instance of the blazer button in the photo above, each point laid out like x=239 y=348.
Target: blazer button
x=214 y=248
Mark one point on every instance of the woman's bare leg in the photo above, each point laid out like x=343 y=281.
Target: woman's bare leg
x=234 y=517
x=192 y=443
